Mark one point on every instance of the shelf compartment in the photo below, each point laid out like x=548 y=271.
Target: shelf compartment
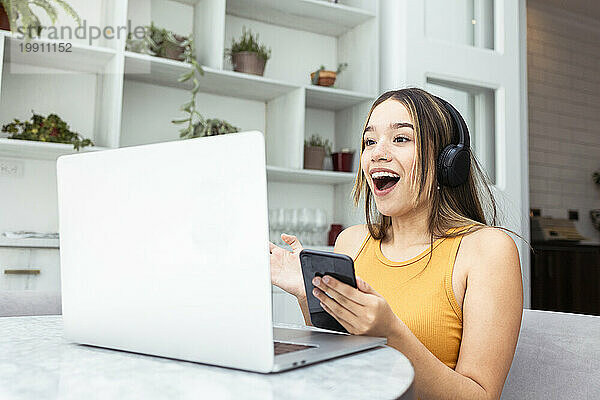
x=333 y=99
x=289 y=175
x=315 y=16
x=165 y=72
x=82 y=58
x=38 y=150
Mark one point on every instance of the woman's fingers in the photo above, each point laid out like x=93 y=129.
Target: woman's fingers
x=349 y=327
x=338 y=308
x=348 y=304
x=292 y=241
x=331 y=285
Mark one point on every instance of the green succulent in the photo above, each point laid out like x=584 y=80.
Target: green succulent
x=248 y=42
x=596 y=177
x=30 y=25
x=45 y=129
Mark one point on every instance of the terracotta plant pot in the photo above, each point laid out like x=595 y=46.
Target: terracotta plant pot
x=313 y=157
x=335 y=230
x=4 y=21
x=248 y=62
x=342 y=161
x=326 y=78
x=175 y=51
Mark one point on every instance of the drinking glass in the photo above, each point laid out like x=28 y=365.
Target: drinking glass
x=321 y=224
x=280 y=225
x=272 y=225
x=305 y=221
x=291 y=221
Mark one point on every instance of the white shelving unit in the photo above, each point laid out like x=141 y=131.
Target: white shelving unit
x=38 y=150
x=37 y=243
x=118 y=98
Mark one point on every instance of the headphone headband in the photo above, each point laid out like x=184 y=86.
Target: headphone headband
x=454 y=161
x=459 y=122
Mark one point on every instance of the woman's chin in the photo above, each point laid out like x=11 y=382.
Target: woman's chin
x=392 y=205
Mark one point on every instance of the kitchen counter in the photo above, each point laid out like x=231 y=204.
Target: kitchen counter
x=36 y=362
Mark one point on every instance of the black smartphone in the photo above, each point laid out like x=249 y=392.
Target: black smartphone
x=320 y=263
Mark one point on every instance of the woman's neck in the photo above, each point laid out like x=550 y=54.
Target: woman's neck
x=410 y=229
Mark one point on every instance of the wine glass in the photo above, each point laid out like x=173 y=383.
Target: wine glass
x=273 y=225
x=291 y=221
x=279 y=225
x=320 y=224
x=305 y=217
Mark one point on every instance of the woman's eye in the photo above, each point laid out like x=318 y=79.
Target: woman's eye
x=401 y=139
x=369 y=142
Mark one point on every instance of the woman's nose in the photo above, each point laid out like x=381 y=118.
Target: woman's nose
x=380 y=153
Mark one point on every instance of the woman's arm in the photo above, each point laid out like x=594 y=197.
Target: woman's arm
x=492 y=311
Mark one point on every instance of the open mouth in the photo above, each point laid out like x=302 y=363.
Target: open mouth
x=384 y=181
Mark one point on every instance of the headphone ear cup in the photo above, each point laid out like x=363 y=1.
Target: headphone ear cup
x=444 y=161
x=454 y=165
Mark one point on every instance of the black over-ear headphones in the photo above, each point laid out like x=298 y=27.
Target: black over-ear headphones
x=454 y=162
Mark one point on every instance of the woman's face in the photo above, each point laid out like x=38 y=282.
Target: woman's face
x=388 y=157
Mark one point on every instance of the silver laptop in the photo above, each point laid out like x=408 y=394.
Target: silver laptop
x=164 y=251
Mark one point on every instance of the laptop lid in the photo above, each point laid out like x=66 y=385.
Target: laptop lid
x=164 y=250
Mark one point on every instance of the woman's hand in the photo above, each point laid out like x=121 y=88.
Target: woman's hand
x=361 y=311
x=286 y=272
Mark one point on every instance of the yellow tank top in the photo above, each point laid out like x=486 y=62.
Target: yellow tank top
x=419 y=291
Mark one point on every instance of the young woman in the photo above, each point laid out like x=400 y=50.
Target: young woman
x=434 y=276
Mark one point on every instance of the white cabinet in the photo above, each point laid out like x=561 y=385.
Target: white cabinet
x=26 y=268
x=286 y=308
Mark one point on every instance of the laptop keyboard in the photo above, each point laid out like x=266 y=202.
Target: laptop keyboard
x=282 y=348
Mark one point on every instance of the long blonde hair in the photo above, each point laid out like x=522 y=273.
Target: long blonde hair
x=451 y=207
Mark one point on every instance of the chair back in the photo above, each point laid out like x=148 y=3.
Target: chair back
x=557 y=357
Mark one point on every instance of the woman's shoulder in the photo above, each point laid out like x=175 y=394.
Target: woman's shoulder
x=488 y=245
x=487 y=238
x=350 y=240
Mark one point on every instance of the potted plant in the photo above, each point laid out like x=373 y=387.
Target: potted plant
x=45 y=129
x=212 y=127
x=595 y=214
x=323 y=77
x=247 y=54
x=163 y=43
x=315 y=150
x=20 y=11
x=342 y=160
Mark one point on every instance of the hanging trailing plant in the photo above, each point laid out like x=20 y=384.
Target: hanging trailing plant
x=160 y=42
x=190 y=107
x=20 y=11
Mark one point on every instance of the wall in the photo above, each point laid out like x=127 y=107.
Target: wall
x=563 y=52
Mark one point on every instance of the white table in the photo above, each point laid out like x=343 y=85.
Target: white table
x=36 y=362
